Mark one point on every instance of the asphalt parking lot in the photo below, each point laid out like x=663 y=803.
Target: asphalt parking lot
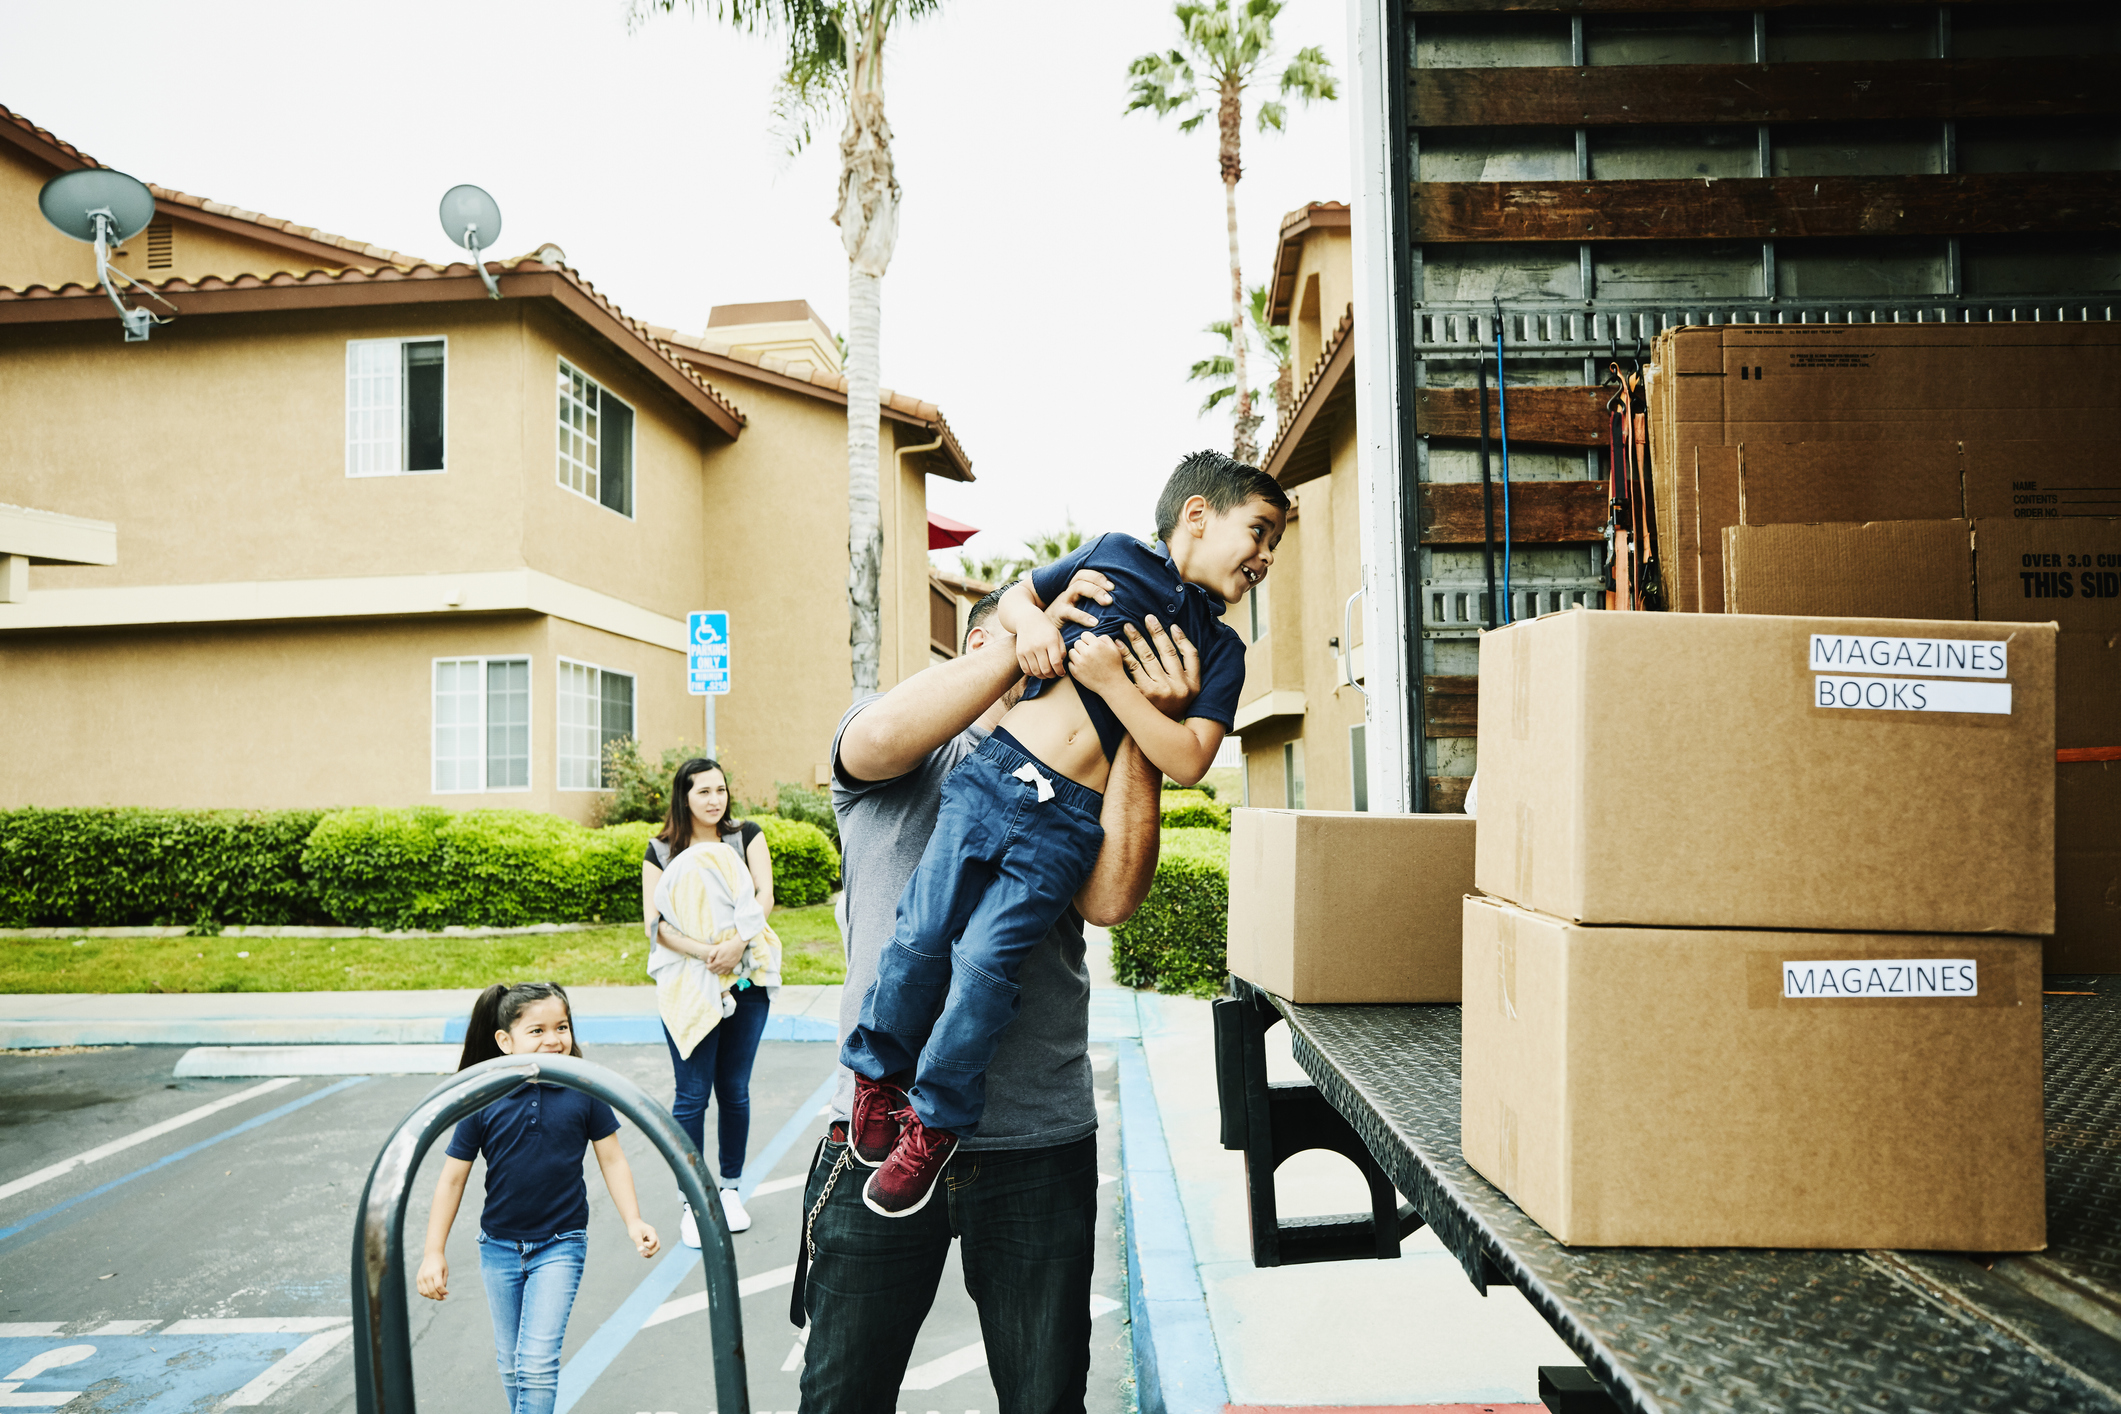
x=204 y=1265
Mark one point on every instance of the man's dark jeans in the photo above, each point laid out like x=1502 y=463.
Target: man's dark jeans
x=1027 y=1219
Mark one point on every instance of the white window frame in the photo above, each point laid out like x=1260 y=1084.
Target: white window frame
x=565 y=463
x=591 y=706
x=1358 y=766
x=1292 y=774
x=434 y=727
x=397 y=413
x=1256 y=604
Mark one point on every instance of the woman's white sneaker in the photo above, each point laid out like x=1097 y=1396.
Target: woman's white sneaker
x=733 y=1210
x=689 y=1228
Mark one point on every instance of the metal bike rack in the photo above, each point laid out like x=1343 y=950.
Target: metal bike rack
x=382 y=1330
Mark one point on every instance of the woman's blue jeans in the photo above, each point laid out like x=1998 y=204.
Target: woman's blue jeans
x=720 y=1065
x=531 y=1287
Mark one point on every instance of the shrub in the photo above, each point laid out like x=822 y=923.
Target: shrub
x=1175 y=940
x=806 y=868
x=639 y=792
x=113 y=868
x=1203 y=787
x=809 y=805
x=1194 y=810
x=429 y=868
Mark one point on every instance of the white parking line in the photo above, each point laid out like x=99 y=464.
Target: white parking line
x=749 y=1286
x=125 y=1327
x=138 y=1136
x=259 y=1325
x=293 y=1363
x=780 y=1185
x=30 y=1328
x=963 y=1361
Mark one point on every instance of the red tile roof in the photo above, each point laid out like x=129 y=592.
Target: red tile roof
x=525 y=276
x=818 y=383
x=1294 y=456
x=1318 y=216
x=303 y=240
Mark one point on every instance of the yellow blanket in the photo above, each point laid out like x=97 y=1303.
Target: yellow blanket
x=707 y=895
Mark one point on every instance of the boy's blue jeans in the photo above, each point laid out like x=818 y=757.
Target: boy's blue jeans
x=1000 y=868
x=531 y=1287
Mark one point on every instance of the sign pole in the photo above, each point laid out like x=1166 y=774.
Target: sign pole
x=708 y=749
x=707 y=664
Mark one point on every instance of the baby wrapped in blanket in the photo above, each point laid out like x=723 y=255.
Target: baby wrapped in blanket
x=707 y=895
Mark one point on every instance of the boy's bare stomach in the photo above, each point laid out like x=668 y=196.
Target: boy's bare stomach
x=1056 y=729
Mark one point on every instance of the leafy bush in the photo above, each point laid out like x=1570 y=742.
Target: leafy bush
x=1175 y=942
x=1194 y=810
x=806 y=868
x=809 y=805
x=119 y=868
x=1203 y=787
x=639 y=792
x=429 y=868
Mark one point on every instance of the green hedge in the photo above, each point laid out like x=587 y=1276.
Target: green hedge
x=120 y=868
x=806 y=868
x=1175 y=940
x=1194 y=810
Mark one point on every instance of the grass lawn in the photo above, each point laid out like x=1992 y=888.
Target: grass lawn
x=609 y=957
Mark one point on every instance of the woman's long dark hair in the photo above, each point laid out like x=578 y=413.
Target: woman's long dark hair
x=497 y=1009
x=677 y=829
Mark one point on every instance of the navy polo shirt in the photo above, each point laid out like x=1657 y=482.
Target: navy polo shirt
x=533 y=1140
x=1144 y=581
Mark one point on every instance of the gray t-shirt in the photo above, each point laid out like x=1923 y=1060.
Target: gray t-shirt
x=1038 y=1086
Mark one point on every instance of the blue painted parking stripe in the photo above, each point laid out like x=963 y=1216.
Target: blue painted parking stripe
x=597 y=1353
x=268 y=1117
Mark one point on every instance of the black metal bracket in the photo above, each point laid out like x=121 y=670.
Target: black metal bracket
x=1270 y=1123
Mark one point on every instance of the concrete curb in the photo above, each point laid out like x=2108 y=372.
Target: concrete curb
x=1177 y=1368
x=272 y=930
x=321 y=1031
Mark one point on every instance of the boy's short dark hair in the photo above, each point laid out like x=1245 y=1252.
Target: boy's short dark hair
x=984 y=610
x=1224 y=481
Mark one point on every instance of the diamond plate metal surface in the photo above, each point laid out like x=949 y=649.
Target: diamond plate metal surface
x=1743 y=1329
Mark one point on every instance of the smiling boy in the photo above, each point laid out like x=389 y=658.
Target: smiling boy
x=1018 y=831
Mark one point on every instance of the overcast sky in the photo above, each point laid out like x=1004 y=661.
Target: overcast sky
x=1055 y=260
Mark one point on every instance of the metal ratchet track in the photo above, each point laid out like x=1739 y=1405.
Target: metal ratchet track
x=1740 y=1329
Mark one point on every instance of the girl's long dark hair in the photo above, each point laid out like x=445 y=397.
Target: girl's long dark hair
x=497 y=1009
x=677 y=828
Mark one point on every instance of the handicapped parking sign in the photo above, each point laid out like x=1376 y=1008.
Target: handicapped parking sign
x=707 y=652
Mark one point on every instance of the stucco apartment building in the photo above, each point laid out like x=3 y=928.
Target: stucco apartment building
x=382 y=539
x=1301 y=716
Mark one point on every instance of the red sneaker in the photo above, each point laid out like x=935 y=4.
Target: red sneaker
x=907 y=1180
x=878 y=1118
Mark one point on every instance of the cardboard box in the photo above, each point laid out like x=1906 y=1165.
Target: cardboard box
x=2068 y=571
x=1796 y=483
x=1896 y=569
x=1715 y=510
x=2087 y=868
x=1345 y=906
x=2041 y=480
x=1679 y=770
x=1659 y=1087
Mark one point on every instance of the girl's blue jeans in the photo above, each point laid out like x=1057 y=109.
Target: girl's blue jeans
x=720 y=1065
x=531 y=1287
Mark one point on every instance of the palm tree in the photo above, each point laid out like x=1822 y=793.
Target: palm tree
x=1040 y=549
x=835 y=60
x=1221 y=369
x=1223 y=44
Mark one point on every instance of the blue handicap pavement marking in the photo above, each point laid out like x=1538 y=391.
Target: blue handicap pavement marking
x=164 y=1372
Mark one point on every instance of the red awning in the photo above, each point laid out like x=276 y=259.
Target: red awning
x=944 y=532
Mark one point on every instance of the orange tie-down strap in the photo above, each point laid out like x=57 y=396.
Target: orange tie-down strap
x=2088 y=753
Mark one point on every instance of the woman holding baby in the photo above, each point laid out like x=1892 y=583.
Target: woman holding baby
x=706 y=888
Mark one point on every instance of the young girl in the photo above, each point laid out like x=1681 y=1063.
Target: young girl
x=533 y=1232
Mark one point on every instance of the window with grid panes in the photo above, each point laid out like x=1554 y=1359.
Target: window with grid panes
x=596 y=709
x=481 y=724
x=595 y=452
x=395 y=406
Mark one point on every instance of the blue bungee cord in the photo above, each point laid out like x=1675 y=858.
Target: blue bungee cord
x=1502 y=404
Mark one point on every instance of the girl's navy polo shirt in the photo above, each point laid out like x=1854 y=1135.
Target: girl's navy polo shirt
x=1144 y=581
x=534 y=1140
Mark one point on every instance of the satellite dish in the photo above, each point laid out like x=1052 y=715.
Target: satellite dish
x=105 y=209
x=73 y=200
x=473 y=220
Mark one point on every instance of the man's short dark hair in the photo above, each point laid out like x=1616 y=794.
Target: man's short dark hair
x=982 y=611
x=1225 y=482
